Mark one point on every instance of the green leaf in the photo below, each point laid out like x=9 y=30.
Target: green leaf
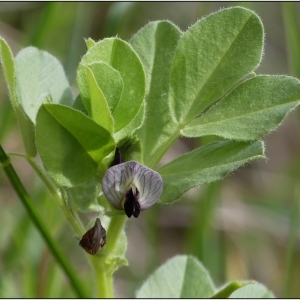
x=100 y=112
x=8 y=66
x=226 y=291
x=112 y=87
x=38 y=75
x=254 y=108
x=71 y=144
x=211 y=58
x=204 y=165
x=121 y=57
x=90 y=43
x=155 y=44
x=78 y=105
x=130 y=129
x=25 y=124
x=180 y=277
x=132 y=150
x=84 y=196
x=256 y=290
x=111 y=84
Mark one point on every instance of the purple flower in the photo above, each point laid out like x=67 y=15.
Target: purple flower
x=132 y=187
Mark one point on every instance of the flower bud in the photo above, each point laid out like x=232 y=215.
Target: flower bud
x=94 y=239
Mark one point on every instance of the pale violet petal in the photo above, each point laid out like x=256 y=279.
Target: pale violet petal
x=149 y=184
x=116 y=181
x=112 y=187
x=119 y=178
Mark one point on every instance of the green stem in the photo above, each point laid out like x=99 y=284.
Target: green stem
x=102 y=264
x=291 y=251
x=114 y=230
x=104 y=278
x=159 y=153
x=33 y=214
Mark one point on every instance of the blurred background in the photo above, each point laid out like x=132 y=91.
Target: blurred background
x=243 y=227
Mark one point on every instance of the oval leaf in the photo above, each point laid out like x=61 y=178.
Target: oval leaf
x=211 y=58
x=155 y=44
x=129 y=130
x=204 y=165
x=256 y=290
x=253 y=109
x=111 y=84
x=180 y=277
x=39 y=74
x=83 y=197
x=25 y=124
x=100 y=112
x=71 y=144
x=122 y=58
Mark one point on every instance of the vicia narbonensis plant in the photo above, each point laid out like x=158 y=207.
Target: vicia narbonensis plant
x=100 y=150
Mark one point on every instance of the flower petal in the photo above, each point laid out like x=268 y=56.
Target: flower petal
x=120 y=178
x=149 y=183
x=115 y=182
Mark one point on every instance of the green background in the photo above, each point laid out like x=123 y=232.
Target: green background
x=244 y=227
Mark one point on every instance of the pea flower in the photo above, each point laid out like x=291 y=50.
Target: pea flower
x=132 y=187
